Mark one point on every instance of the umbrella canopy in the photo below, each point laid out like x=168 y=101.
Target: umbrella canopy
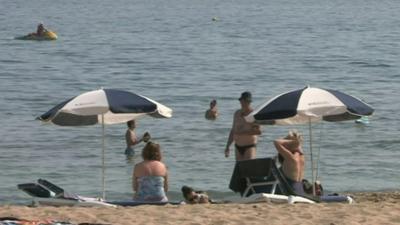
x=309 y=105
x=116 y=106
x=104 y=106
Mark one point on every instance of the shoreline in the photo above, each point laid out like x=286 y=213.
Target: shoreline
x=369 y=208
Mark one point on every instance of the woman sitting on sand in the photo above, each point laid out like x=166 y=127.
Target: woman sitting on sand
x=150 y=177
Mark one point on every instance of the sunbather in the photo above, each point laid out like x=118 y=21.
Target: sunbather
x=194 y=197
x=150 y=177
x=293 y=159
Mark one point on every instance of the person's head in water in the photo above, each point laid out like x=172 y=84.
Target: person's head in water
x=212 y=112
x=213 y=103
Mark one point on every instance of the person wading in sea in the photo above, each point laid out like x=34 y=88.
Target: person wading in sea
x=131 y=138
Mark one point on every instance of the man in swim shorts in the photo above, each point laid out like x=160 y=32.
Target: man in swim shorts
x=244 y=134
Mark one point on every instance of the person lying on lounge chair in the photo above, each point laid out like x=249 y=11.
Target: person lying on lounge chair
x=292 y=168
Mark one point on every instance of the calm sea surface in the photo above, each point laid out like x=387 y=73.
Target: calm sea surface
x=174 y=52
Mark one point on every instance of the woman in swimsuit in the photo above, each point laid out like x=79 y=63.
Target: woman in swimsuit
x=150 y=177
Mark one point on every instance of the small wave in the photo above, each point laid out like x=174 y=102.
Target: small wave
x=367 y=64
x=11 y=61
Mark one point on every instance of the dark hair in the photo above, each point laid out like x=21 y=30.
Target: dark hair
x=151 y=151
x=245 y=96
x=186 y=191
x=130 y=122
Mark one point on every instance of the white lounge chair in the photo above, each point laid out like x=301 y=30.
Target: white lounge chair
x=49 y=194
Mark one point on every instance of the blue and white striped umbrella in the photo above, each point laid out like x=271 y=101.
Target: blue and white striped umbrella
x=309 y=105
x=116 y=106
x=104 y=106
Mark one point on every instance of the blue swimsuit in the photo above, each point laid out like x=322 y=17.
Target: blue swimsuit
x=151 y=189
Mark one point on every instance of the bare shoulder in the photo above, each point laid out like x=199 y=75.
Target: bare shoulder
x=237 y=113
x=158 y=168
x=159 y=163
x=130 y=133
x=162 y=166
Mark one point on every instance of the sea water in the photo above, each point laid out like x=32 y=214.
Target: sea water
x=184 y=54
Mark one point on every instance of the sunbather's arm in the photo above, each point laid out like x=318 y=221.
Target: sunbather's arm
x=281 y=147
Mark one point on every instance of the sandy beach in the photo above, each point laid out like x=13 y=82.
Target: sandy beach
x=369 y=208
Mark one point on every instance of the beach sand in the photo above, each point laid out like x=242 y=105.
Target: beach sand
x=369 y=208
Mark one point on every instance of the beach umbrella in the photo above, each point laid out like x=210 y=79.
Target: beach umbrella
x=309 y=105
x=104 y=106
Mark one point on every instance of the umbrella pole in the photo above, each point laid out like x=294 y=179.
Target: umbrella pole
x=312 y=158
x=103 y=168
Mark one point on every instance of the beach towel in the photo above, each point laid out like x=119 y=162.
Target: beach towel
x=16 y=221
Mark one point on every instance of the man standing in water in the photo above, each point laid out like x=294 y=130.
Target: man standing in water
x=244 y=134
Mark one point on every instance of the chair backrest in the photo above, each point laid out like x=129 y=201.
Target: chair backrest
x=54 y=188
x=254 y=167
x=59 y=192
x=35 y=190
x=247 y=169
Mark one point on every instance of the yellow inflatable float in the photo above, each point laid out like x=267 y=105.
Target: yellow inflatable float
x=48 y=35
